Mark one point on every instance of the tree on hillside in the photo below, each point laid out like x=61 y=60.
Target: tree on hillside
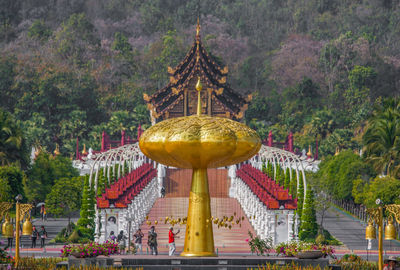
x=14 y=178
x=7 y=74
x=171 y=53
x=76 y=39
x=297 y=56
x=39 y=30
x=12 y=142
x=339 y=138
x=299 y=103
x=322 y=123
x=5 y=191
x=382 y=139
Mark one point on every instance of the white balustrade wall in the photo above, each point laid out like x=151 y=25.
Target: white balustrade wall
x=279 y=225
x=135 y=213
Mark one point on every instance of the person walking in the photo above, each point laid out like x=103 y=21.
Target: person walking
x=112 y=237
x=121 y=240
x=9 y=242
x=43 y=236
x=171 y=241
x=152 y=240
x=42 y=211
x=138 y=240
x=34 y=236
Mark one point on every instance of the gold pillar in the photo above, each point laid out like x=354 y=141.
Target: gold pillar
x=199 y=103
x=17 y=217
x=199 y=240
x=380 y=241
x=209 y=101
x=185 y=105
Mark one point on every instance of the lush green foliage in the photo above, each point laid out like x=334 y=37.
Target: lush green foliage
x=87 y=212
x=382 y=138
x=39 y=263
x=5 y=258
x=337 y=174
x=290 y=249
x=65 y=196
x=300 y=195
x=308 y=226
x=43 y=174
x=352 y=261
x=387 y=189
x=90 y=250
x=12 y=177
x=315 y=68
x=293 y=184
x=258 y=245
x=12 y=142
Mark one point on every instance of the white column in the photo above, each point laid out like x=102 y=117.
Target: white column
x=160 y=177
x=296 y=227
x=103 y=222
x=272 y=228
x=290 y=225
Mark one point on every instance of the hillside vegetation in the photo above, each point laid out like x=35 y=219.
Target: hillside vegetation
x=317 y=68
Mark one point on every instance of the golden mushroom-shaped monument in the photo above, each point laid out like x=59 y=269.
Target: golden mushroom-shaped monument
x=199 y=142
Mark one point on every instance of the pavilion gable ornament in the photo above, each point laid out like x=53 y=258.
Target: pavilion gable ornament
x=176 y=96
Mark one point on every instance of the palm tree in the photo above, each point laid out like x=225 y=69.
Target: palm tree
x=382 y=139
x=12 y=148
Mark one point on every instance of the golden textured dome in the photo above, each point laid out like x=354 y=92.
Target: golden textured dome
x=199 y=141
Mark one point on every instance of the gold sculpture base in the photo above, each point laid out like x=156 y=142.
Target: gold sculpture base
x=199 y=239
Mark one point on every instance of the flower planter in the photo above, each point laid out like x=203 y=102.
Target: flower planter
x=77 y=262
x=311 y=254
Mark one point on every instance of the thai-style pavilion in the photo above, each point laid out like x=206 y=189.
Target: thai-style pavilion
x=179 y=97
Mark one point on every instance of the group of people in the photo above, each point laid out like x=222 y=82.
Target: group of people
x=151 y=240
x=42 y=234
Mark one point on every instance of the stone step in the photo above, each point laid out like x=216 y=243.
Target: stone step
x=225 y=240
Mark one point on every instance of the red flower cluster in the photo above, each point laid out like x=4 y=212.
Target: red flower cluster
x=90 y=250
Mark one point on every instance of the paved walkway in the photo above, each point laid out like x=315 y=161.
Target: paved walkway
x=351 y=231
x=52 y=225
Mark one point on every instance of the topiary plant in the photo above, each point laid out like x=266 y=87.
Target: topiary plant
x=74 y=237
x=308 y=227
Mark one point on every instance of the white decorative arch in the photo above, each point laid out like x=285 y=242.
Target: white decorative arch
x=285 y=159
x=129 y=153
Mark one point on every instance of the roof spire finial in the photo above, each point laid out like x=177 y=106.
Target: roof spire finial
x=199 y=87
x=198 y=27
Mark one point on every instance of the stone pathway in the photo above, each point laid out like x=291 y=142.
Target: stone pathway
x=351 y=231
x=52 y=225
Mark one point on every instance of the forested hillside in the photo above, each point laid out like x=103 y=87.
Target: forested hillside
x=73 y=68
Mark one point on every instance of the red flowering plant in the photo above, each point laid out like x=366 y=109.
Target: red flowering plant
x=291 y=249
x=90 y=250
x=5 y=258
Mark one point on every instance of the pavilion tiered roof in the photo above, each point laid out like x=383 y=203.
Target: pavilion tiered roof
x=173 y=99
